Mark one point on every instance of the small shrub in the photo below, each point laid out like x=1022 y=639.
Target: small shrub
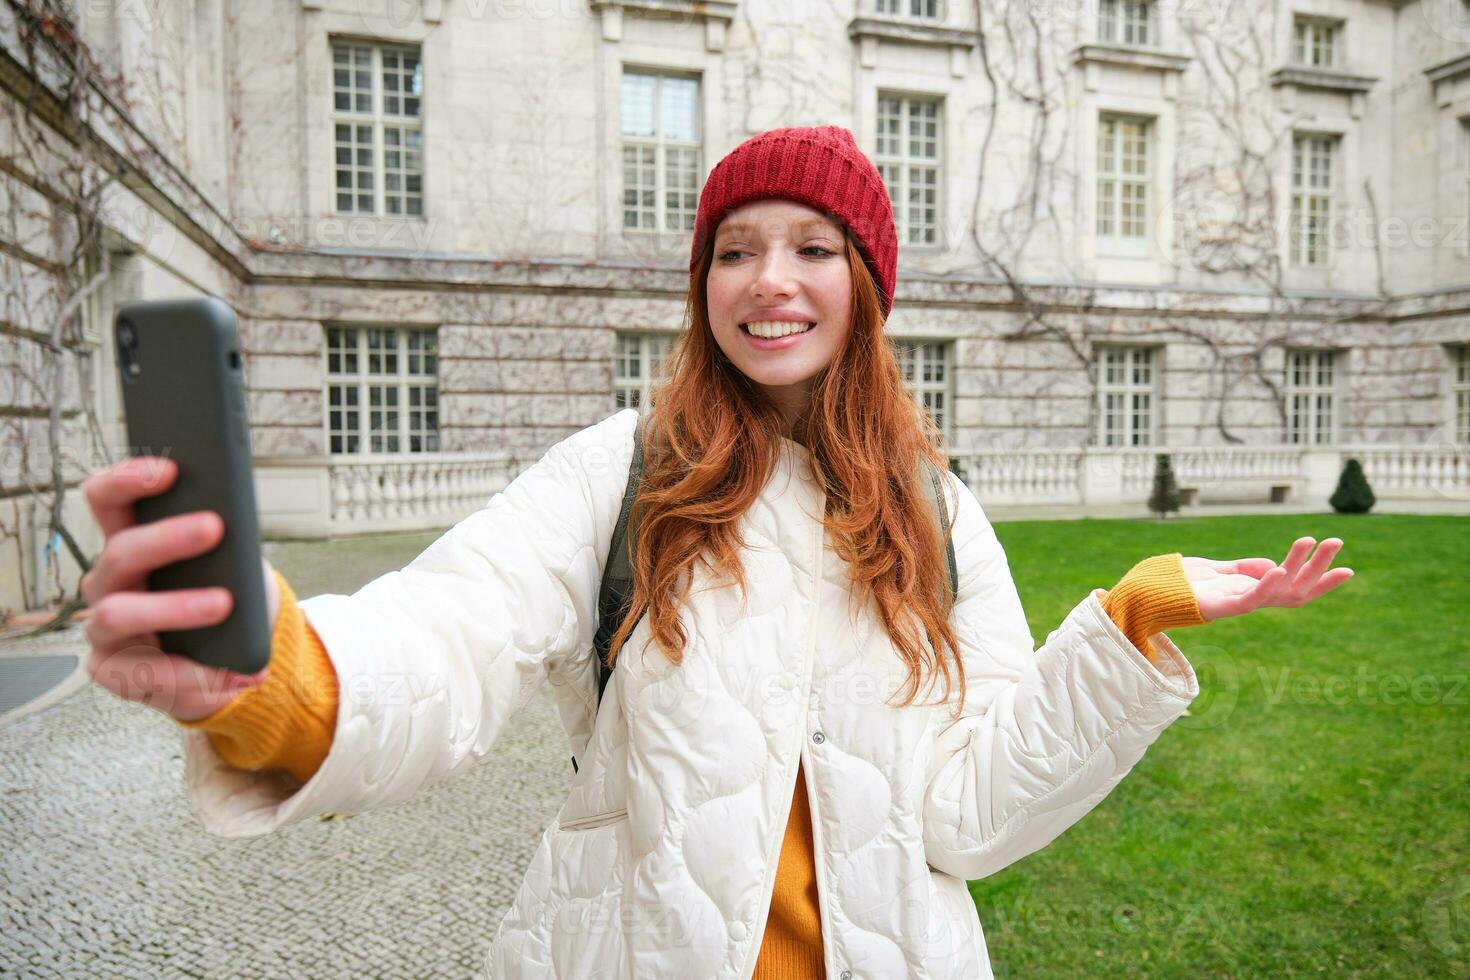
x=1165 y=497
x=1353 y=495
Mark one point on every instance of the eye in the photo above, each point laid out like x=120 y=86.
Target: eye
x=726 y=256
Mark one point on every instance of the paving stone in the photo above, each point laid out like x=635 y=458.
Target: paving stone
x=107 y=872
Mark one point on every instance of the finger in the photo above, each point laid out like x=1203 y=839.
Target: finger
x=111 y=492
x=1300 y=549
x=1232 y=595
x=1237 y=584
x=135 y=551
x=120 y=615
x=1329 y=581
x=1268 y=588
x=1253 y=567
x=1319 y=563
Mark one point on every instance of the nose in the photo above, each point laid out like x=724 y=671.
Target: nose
x=774 y=275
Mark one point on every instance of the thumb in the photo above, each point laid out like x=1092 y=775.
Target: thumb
x=1254 y=567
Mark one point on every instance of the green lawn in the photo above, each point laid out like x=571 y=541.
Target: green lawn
x=1310 y=816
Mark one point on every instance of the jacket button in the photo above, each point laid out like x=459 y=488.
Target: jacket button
x=845 y=975
x=738 y=932
x=818 y=737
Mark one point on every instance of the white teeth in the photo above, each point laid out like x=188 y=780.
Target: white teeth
x=775 y=328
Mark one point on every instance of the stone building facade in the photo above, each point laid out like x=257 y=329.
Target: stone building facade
x=456 y=231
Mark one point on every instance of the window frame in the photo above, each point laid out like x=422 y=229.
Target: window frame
x=1307 y=34
x=1128 y=389
x=661 y=145
x=1460 y=392
x=1465 y=179
x=650 y=361
x=401 y=381
x=1313 y=388
x=885 y=162
x=380 y=123
x=914 y=355
x=906 y=9
x=1298 y=253
x=1114 y=242
x=1113 y=24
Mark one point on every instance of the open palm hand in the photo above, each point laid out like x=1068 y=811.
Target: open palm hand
x=1234 y=588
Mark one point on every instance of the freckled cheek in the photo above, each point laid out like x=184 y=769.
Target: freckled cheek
x=720 y=300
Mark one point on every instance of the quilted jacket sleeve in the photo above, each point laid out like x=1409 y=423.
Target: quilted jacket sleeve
x=434 y=659
x=1045 y=733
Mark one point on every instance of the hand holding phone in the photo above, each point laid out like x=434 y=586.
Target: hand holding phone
x=126 y=657
x=182 y=376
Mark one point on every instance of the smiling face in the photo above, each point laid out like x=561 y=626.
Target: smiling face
x=780 y=263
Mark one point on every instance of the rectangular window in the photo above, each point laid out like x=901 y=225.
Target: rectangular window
x=1123 y=177
x=382 y=390
x=1315 y=41
x=1126 y=385
x=1125 y=22
x=926 y=9
x=1465 y=167
x=1310 y=396
x=1462 y=393
x=926 y=376
x=1313 y=161
x=660 y=121
x=377 y=118
x=636 y=367
x=908 y=158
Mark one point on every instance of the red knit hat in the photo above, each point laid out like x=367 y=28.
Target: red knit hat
x=820 y=166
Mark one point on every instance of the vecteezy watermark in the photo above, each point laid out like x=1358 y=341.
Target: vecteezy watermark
x=1445 y=919
x=1057 y=921
x=410 y=236
x=151 y=232
x=1217 y=671
x=1219 y=213
x=1450 y=19
x=1287 y=685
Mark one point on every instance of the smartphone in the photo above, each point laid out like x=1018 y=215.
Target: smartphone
x=183 y=393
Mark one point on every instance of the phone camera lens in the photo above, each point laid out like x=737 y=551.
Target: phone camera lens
x=127 y=343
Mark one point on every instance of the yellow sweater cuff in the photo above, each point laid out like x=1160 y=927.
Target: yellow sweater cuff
x=1155 y=595
x=287 y=721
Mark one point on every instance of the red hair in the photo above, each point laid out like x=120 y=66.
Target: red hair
x=711 y=442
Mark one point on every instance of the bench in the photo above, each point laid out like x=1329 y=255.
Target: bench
x=1279 y=493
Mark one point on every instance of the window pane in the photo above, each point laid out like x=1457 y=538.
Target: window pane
x=402 y=82
x=1126 y=393
x=660 y=122
x=375 y=84
x=1311 y=396
x=635 y=104
x=679 y=113
x=908 y=151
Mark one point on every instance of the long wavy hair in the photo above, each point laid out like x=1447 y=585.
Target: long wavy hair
x=711 y=442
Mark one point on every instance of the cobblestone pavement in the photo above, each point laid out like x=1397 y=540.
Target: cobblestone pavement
x=106 y=872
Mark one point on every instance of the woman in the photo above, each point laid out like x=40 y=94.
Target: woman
x=804 y=751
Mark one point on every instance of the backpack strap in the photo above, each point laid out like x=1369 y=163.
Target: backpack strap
x=941 y=511
x=615 y=596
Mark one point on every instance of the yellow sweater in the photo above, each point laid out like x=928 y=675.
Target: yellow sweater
x=288 y=720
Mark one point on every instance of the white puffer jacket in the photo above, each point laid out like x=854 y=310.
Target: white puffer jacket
x=662 y=860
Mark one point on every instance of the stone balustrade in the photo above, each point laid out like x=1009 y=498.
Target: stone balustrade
x=1093 y=475
x=323 y=497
